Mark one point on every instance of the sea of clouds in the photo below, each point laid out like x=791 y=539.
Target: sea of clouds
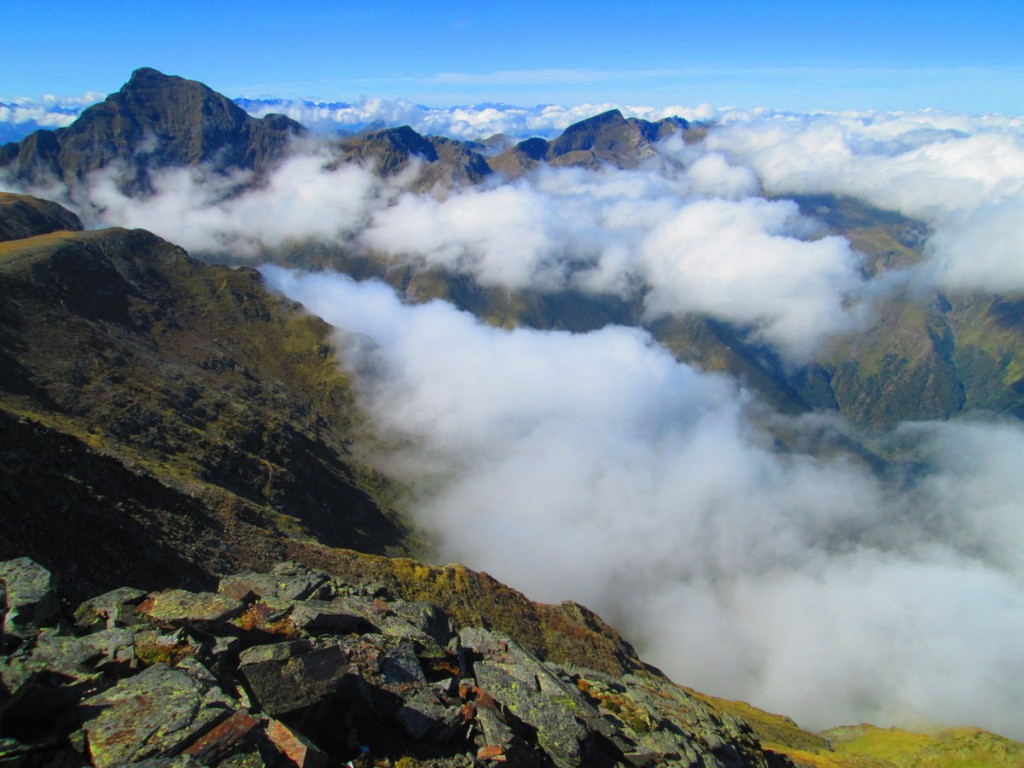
x=595 y=467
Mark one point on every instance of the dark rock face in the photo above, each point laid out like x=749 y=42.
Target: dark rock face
x=183 y=679
x=154 y=121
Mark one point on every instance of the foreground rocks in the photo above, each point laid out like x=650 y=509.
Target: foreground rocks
x=298 y=668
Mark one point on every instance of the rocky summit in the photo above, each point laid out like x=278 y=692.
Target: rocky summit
x=295 y=667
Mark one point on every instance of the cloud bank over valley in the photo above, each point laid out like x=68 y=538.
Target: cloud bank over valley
x=596 y=467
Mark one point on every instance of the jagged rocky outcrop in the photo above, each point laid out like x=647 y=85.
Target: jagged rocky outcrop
x=154 y=121
x=607 y=138
x=295 y=667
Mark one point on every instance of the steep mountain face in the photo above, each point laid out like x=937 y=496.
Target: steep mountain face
x=444 y=161
x=154 y=121
x=925 y=357
x=608 y=138
x=188 y=406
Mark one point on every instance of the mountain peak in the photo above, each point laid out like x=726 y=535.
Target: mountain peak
x=147 y=73
x=155 y=120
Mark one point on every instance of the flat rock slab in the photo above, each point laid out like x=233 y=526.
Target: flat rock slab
x=402 y=666
x=223 y=738
x=158 y=713
x=82 y=657
x=337 y=617
x=422 y=714
x=283 y=685
x=179 y=605
x=284 y=586
x=281 y=652
x=294 y=747
x=111 y=609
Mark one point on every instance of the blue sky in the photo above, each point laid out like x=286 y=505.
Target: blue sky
x=897 y=54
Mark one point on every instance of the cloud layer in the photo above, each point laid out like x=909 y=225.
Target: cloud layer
x=963 y=177
x=699 y=228
x=597 y=468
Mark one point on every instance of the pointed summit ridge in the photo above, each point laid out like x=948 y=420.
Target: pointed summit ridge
x=153 y=121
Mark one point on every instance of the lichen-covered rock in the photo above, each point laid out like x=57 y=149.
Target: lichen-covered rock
x=402 y=666
x=224 y=737
x=295 y=748
x=523 y=685
x=111 y=609
x=288 y=581
x=84 y=657
x=316 y=672
x=157 y=713
x=337 y=617
x=420 y=714
x=184 y=607
x=31 y=599
x=284 y=683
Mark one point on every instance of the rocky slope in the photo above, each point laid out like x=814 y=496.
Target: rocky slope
x=296 y=667
x=148 y=396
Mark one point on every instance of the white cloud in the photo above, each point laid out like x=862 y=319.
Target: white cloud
x=962 y=176
x=746 y=262
x=197 y=209
x=597 y=468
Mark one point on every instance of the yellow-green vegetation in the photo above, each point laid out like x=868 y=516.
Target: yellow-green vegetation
x=617 y=703
x=771 y=729
x=157 y=651
x=952 y=748
x=560 y=633
x=258 y=617
x=868 y=746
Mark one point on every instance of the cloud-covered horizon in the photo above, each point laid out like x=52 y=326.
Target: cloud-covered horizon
x=20 y=117
x=702 y=227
